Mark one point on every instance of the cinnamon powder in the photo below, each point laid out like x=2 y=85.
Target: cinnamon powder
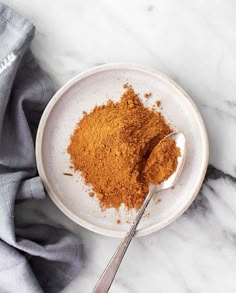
x=110 y=147
x=162 y=162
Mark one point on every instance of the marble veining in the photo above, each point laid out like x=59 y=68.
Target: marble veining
x=194 y=42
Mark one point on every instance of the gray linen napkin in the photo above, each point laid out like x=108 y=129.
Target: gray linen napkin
x=35 y=258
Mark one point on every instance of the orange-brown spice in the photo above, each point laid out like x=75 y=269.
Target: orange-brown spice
x=91 y=194
x=162 y=162
x=147 y=95
x=110 y=147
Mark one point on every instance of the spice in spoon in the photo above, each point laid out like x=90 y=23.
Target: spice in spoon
x=162 y=162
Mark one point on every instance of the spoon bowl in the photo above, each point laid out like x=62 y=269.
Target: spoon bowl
x=180 y=142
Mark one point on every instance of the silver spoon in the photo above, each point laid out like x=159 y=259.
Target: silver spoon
x=106 y=279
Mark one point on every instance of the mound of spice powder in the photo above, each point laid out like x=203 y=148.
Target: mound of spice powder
x=110 y=147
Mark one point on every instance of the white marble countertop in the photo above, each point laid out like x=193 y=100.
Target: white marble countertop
x=194 y=42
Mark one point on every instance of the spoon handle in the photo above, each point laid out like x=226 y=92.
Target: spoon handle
x=106 y=279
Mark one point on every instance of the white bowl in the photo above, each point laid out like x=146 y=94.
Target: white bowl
x=95 y=87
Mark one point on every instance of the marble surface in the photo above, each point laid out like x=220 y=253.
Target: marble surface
x=194 y=42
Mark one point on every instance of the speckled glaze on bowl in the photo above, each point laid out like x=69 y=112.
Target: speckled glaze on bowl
x=95 y=87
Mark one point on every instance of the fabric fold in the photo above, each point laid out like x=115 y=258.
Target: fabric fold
x=34 y=258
